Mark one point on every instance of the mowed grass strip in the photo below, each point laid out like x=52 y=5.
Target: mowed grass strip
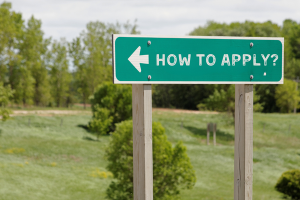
x=55 y=157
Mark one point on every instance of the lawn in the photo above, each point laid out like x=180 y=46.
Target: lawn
x=54 y=157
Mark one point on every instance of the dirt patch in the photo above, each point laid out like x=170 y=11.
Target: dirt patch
x=184 y=111
x=88 y=112
x=48 y=112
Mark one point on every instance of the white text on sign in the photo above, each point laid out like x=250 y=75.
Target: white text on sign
x=210 y=59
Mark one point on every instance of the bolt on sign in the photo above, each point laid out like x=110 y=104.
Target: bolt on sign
x=197 y=60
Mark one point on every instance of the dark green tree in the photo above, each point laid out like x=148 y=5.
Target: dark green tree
x=5 y=94
x=289 y=184
x=287 y=97
x=34 y=51
x=172 y=170
x=59 y=75
x=117 y=99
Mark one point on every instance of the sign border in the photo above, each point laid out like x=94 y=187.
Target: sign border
x=116 y=81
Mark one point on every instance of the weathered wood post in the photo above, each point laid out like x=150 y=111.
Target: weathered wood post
x=215 y=137
x=207 y=134
x=142 y=142
x=243 y=148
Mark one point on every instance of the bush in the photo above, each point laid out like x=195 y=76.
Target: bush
x=101 y=121
x=114 y=98
x=172 y=169
x=289 y=183
x=5 y=94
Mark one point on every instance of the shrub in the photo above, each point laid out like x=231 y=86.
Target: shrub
x=116 y=99
x=289 y=183
x=172 y=169
x=101 y=121
x=5 y=94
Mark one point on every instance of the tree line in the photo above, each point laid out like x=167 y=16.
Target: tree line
x=41 y=71
x=268 y=98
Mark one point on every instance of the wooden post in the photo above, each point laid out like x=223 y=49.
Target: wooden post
x=207 y=136
x=142 y=142
x=243 y=148
x=215 y=138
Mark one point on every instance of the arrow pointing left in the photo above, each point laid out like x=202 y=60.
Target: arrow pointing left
x=136 y=59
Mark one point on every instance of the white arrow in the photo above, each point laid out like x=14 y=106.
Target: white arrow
x=136 y=59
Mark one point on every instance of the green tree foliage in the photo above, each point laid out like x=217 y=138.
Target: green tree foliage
x=172 y=170
x=76 y=50
x=115 y=98
x=5 y=94
x=289 y=184
x=180 y=96
x=287 y=97
x=34 y=50
x=101 y=121
x=91 y=55
x=59 y=75
x=24 y=87
x=11 y=29
x=224 y=100
x=189 y=96
x=12 y=60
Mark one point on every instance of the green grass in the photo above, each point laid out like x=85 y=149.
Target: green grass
x=47 y=160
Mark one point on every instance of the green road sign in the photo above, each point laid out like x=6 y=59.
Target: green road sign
x=197 y=60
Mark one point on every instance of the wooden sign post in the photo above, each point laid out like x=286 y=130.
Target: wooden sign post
x=244 y=61
x=142 y=142
x=243 y=146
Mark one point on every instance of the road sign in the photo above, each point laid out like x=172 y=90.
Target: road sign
x=197 y=60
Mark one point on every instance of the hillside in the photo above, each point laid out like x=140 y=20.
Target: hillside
x=54 y=157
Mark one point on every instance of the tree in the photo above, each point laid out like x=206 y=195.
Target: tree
x=5 y=94
x=24 y=86
x=11 y=30
x=91 y=55
x=172 y=169
x=101 y=121
x=117 y=99
x=34 y=50
x=289 y=183
x=266 y=92
x=59 y=76
x=224 y=100
x=76 y=51
x=287 y=97
x=292 y=69
x=97 y=42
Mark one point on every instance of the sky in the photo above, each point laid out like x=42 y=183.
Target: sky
x=67 y=18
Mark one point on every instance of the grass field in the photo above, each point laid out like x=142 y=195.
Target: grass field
x=45 y=157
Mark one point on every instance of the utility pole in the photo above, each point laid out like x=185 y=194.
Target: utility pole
x=297 y=81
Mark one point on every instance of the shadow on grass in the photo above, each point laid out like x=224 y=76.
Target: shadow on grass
x=85 y=127
x=221 y=135
x=89 y=139
x=0 y=132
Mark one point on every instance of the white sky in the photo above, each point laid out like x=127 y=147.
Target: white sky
x=67 y=18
